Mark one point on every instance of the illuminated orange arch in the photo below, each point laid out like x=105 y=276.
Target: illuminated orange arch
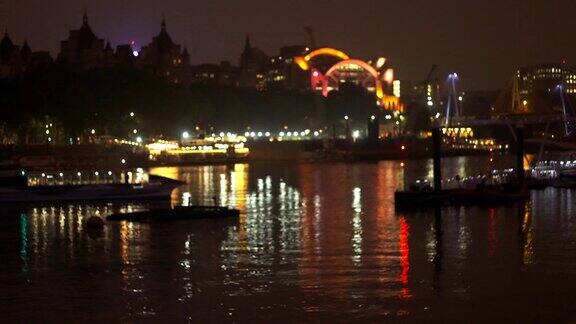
x=302 y=61
x=367 y=67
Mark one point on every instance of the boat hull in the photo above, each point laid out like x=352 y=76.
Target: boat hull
x=99 y=192
x=417 y=199
x=178 y=213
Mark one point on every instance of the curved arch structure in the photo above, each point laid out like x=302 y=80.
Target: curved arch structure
x=327 y=51
x=367 y=75
x=367 y=67
x=302 y=61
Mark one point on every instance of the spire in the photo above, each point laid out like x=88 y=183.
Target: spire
x=6 y=47
x=25 y=46
x=25 y=51
x=247 y=45
x=85 y=17
x=6 y=41
x=163 y=23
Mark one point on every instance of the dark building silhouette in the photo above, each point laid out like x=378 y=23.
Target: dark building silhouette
x=125 y=55
x=254 y=65
x=15 y=60
x=223 y=74
x=11 y=61
x=166 y=58
x=83 y=47
x=284 y=73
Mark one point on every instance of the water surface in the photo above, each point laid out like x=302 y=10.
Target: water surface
x=315 y=242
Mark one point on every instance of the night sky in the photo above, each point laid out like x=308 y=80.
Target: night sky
x=481 y=40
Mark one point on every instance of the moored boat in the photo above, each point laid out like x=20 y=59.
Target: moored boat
x=177 y=213
x=23 y=188
x=491 y=195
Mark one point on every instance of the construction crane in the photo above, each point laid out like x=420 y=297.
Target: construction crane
x=423 y=86
x=429 y=76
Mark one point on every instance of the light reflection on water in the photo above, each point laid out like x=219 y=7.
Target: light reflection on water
x=313 y=241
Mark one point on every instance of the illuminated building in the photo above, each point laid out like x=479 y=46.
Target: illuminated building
x=165 y=58
x=284 y=72
x=545 y=78
x=428 y=94
x=223 y=74
x=535 y=89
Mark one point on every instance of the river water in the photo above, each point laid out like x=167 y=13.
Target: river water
x=315 y=242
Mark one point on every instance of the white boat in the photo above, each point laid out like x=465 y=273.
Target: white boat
x=20 y=188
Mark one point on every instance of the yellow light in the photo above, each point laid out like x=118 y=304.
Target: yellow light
x=396 y=88
x=389 y=76
x=380 y=63
x=302 y=63
x=327 y=51
x=379 y=90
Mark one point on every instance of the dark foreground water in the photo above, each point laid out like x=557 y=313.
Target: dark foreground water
x=315 y=242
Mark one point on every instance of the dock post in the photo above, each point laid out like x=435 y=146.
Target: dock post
x=437 y=143
x=520 y=156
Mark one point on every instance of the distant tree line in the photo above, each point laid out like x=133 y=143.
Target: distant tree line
x=73 y=102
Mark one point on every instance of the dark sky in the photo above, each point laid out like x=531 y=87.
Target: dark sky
x=481 y=40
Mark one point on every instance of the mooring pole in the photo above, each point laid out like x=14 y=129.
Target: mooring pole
x=437 y=143
x=520 y=156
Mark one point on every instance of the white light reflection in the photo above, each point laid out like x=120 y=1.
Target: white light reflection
x=223 y=191
x=357 y=225
x=186 y=198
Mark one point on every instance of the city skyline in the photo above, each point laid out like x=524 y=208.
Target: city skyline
x=517 y=34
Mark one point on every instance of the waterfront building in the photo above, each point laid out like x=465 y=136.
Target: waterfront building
x=427 y=94
x=254 y=64
x=11 y=58
x=16 y=60
x=545 y=78
x=284 y=73
x=125 y=55
x=165 y=58
x=83 y=48
x=536 y=88
x=223 y=74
